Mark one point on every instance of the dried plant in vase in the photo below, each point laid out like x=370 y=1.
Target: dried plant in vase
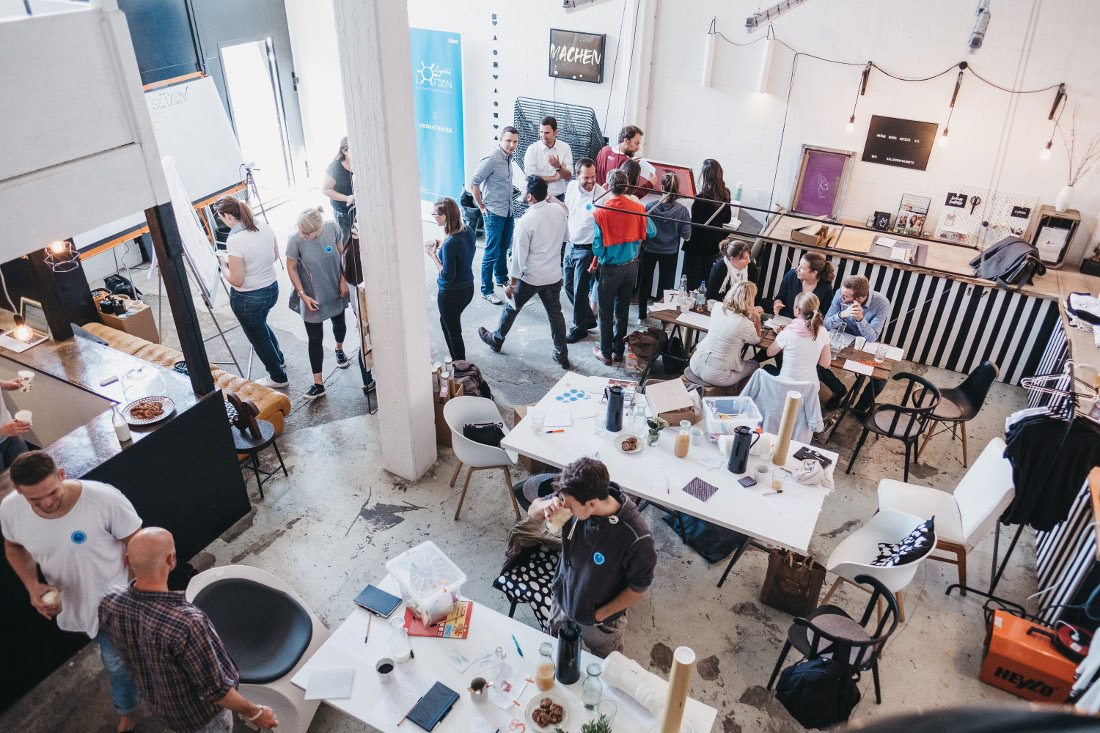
x=1089 y=157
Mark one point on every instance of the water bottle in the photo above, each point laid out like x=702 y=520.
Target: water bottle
x=701 y=297
x=683 y=285
x=737 y=192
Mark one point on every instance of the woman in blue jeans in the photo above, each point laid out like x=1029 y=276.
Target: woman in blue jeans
x=249 y=266
x=454 y=259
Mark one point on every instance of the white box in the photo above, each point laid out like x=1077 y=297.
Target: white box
x=429 y=581
x=723 y=414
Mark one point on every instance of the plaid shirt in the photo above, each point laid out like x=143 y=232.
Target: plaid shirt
x=171 y=651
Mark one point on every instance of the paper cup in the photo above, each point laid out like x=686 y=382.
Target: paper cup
x=26 y=377
x=23 y=416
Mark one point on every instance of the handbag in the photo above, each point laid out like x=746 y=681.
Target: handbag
x=793 y=583
x=489 y=433
x=352 y=258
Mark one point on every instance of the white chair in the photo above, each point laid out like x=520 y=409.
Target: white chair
x=770 y=393
x=853 y=556
x=963 y=519
x=476 y=456
x=270 y=633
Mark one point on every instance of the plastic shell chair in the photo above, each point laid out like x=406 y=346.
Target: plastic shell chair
x=904 y=421
x=963 y=519
x=476 y=456
x=853 y=556
x=270 y=633
x=959 y=405
x=830 y=632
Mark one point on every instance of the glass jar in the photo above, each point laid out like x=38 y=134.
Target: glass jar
x=544 y=673
x=638 y=424
x=683 y=439
x=592 y=687
x=503 y=669
x=400 y=649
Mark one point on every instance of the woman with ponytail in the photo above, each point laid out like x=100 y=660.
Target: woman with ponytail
x=249 y=266
x=337 y=186
x=804 y=343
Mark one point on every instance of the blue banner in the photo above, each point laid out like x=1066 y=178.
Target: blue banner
x=437 y=98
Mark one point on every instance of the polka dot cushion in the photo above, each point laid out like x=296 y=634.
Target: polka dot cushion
x=913 y=547
x=530 y=580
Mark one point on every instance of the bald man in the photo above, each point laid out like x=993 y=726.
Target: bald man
x=170 y=647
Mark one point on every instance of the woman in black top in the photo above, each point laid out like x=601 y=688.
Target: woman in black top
x=702 y=249
x=734 y=266
x=338 y=188
x=814 y=274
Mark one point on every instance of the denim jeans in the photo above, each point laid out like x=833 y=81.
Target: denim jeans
x=550 y=295
x=251 y=309
x=343 y=221
x=451 y=302
x=220 y=723
x=124 y=693
x=666 y=264
x=498 y=240
x=577 y=281
x=616 y=282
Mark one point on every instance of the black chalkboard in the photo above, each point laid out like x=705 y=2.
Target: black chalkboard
x=577 y=56
x=902 y=143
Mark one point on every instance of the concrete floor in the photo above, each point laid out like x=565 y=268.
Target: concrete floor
x=331 y=525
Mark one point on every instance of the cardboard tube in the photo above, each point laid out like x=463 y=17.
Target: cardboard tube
x=786 y=427
x=679 y=684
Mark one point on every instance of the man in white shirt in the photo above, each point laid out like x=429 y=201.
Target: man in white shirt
x=535 y=268
x=76 y=531
x=551 y=159
x=582 y=226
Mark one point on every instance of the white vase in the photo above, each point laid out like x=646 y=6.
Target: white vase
x=1065 y=198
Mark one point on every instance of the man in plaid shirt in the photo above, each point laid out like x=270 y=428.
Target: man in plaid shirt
x=170 y=648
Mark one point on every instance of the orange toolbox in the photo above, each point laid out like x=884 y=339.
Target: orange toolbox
x=1022 y=659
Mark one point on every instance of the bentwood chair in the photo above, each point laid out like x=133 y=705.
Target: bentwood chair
x=904 y=421
x=959 y=405
x=461 y=411
x=830 y=632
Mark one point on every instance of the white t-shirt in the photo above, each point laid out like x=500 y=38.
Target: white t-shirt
x=81 y=552
x=800 y=354
x=536 y=162
x=257 y=249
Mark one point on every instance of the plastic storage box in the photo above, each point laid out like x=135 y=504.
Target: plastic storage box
x=429 y=581
x=723 y=414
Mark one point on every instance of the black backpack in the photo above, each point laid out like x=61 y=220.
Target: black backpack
x=675 y=359
x=818 y=692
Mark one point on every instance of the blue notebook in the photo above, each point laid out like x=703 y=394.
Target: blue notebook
x=434 y=706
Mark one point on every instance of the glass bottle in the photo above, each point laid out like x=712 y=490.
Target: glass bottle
x=544 y=673
x=683 y=439
x=701 y=297
x=122 y=429
x=638 y=424
x=400 y=649
x=592 y=687
x=503 y=669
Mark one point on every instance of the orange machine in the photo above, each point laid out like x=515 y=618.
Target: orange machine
x=1022 y=660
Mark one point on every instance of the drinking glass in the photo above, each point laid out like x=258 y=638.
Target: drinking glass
x=880 y=352
x=538 y=417
x=599 y=422
x=608 y=709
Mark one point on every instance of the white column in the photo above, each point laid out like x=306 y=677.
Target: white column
x=373 y=40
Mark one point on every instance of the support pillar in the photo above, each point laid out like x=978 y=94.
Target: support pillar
x=373 y=42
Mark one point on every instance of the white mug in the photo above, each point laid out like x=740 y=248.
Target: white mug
x=23 y=416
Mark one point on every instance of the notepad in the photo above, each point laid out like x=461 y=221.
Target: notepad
x=433 y=706
x=858 y=367
x=330 y=684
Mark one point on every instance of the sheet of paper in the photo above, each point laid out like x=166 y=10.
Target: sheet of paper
x=776 y=321
x=661 y=471
x=858 y=367
x=647 y=169
x=349 y=638
x=458 y=660
x=330 y=684
x=652 y=307
x=401 y=695
x=558 y=416
x=506 y=694
x=695 y=320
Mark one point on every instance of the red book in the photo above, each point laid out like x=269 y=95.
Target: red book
x=455 y=626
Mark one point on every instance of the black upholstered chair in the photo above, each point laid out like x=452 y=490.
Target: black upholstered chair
x=959 y=405
x=830 y=632
x=904 y=421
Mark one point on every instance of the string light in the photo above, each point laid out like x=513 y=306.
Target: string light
x=851 y=126
x=1058 y=99
x=1045 y=155
x=951 y=108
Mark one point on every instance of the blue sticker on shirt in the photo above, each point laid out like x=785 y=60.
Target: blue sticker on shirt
x=598 y=558
x=78 y=537
x=328 y=249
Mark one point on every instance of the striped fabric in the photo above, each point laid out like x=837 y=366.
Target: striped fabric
x=1066 y=564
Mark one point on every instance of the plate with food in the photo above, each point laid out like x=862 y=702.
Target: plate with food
x=546 y=711
x=148 y=410
x=629 y=444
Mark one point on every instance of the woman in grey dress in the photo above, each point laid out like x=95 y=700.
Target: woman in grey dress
x=313 y=263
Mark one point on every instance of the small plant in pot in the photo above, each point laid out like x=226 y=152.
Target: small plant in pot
x=601 y=724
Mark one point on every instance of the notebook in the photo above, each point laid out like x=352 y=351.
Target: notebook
x=433 y=706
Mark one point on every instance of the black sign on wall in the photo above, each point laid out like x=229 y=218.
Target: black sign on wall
x=577 y=56
x=903 y=143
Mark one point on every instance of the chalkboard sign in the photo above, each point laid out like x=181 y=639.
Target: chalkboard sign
x=577 y=56
x=902 y=143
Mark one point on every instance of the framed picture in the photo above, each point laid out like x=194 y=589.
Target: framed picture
x=685 y=174
x=577 y=56
x=822 y=181
x=882 y=220
x=911 y=214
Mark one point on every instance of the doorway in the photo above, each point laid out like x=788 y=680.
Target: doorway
x=256 y=106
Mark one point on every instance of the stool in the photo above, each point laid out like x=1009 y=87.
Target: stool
x=245 y=443
x=694 y=379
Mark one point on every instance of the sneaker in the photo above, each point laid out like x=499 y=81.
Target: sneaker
x=315 y=391
x=563 y=361
x=599 y=355
x=342 y=359
x=271 y=383
x=575 y=335
x=492 y=298
x=487 y=337
x=834 y=401
x=616 y=357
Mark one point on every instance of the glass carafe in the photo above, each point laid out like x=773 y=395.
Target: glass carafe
x=544 y=673
x=592 y=687
x=400 y=648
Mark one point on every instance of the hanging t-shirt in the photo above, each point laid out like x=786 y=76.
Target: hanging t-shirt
x=800 y=353
x=81 y=552
x=342 y=176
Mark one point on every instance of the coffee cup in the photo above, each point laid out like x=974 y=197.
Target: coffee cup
x=26 y=377
x=479 y=690
x=23 y=416
x=52 y=597
x=558 y=519
x=385 y=667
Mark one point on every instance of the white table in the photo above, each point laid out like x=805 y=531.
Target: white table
x=488 y=630
x=784 y=520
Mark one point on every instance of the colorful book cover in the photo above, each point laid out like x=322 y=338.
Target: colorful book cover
x=455 y=626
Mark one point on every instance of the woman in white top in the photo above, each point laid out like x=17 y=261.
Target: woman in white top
x=717 y=360
x=249 y=266
x=804 y=343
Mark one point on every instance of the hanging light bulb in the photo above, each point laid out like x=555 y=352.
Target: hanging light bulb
x=21 y=332
x=1045 y=155
x=62 y=256
x=851 y=126
x=708 y=52
x=943 y=138
x=766 y=63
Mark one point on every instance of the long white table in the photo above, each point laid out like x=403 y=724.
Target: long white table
x=784 y=520
x=382 y=706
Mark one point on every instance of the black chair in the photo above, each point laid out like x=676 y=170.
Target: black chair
x=830 y=632
x=905 y=421
x=958 y=405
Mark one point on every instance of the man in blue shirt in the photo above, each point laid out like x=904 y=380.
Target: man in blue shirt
x=491 y=185
x=864 y=313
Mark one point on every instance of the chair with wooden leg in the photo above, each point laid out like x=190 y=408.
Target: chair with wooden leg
x=462 y=411
x=964 y=518
x=959 y=405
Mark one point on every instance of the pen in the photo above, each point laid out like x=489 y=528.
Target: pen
x=367 y=634
x=517 y=645
x=554 y=431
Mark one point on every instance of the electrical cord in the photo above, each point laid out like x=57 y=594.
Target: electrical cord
x=782 y=135
x=7 y=295
x=614 y=68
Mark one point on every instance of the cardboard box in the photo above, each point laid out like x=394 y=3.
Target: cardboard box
x=138 y=321
x=442 y=432
x=530 y=464
x=671 y=401
x=1023 y=661
x=815 y=235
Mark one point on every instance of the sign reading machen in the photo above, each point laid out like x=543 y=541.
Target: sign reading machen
x=577 y=56
x=904 y=143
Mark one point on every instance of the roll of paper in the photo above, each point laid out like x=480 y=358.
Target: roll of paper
x=646 y=688
x=679 y=684
x=786 y=427
x=725 y=444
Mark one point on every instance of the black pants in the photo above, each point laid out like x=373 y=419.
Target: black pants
x=451 y=302
x=316 y=334
x=666 y=264
x=10 y=448
x=550 y=295
x=697 y=268
x=830 y=380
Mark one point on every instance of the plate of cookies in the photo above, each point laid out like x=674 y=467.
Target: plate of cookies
x=148 y=410
x=546 y=711
x=629 y=444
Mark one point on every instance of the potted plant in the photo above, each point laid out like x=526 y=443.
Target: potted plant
x=601 y=724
